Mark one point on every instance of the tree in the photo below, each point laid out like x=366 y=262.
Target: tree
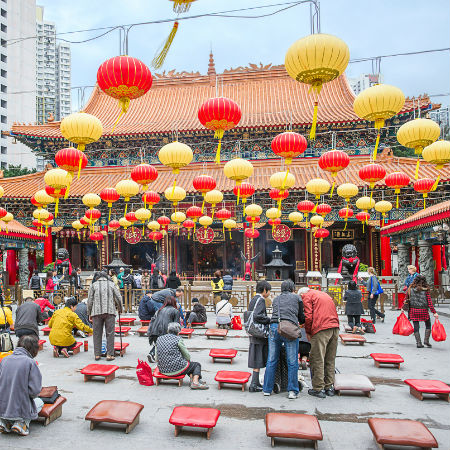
x=17 y=171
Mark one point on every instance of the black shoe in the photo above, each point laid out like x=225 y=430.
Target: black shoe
x=330 y=392
x=319 y=394
x=255 y=388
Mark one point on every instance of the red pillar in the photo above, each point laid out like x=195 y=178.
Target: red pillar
x=11 y=266
x=48 y=247
x=386 y=256
x=437 y=257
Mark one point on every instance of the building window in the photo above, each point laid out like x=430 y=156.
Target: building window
x=3 y=12
x=4 y=150
x=3 y=57
x=4 y=28
x=4 y=103
x=4 y=165
x=3 y=73
x=3 y=119
x=3 y=88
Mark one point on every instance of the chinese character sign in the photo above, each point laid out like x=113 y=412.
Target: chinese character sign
x=281 y=233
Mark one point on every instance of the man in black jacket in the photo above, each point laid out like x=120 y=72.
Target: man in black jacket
x=35 y=281
x=28 y=316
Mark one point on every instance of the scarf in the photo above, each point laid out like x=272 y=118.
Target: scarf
x=350 y=260
x=60 y=261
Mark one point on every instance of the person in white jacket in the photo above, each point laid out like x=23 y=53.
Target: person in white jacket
x=224 y=312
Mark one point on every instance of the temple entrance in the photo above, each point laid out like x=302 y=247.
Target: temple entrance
x=337 y=251
x=209 y=258
x=141 y=254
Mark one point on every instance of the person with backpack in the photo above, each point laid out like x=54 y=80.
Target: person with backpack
x=36 y=283
x=224 y=312
x=217 y=286
x=227 y=282
x=6 y=319
x=374 y=289
x=128 y=279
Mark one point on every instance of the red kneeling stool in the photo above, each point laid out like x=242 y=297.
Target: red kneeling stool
x=186 y=332
x=121 y=350
x=142 y=331
x=293 y=426
x=76 y=349
x=419 y=387
x=218 y=333
x=353 y=382
x=223 y=353
x=347 y=338
x=198 y=324
x=401 y=432
x=145 y=323
x=99 y=370
x=387 y=358
x=126 y=321
x=122 y=330
x=115 y=411
x=184 y=416
x=41 y=343
x=46 y=331
x=159 y=377
x=51 y=412
x=232 y=377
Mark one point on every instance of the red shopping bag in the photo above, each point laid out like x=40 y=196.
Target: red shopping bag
x=236 y=323
x=438 y=332
x=144 y=373
x=403 y=326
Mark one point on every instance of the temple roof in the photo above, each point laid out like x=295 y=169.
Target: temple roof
x=268 y=97
x=17 y=230
x=94 y=179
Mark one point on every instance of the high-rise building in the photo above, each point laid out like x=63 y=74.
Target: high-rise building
x=364 y=81
x=441 y=116
x=3 y=82
x=53 y=65
x=21 y=68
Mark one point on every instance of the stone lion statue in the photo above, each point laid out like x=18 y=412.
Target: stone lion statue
x=349 y=264
x=63 y=266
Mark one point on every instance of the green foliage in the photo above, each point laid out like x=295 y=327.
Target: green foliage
x=363 y=267
x=404 y=152
x=49 y=267
x=17 y=171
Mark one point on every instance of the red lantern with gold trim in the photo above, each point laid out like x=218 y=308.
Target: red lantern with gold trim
x=109 y=195
x=189 y=225
x=334 y=161
x=251 y=234
x=194 y=213
x=306 y=207
x=124 y=78
x=131 y=217
x=150 y=199
x=92 y=215
x=114 y=225
x=155 y=236
x=35 y=203
x=345 y=213
x=3 y=213
x=223 y=214
x=164 y=222
x=371 y=173
x=424 y=186
x=204 y=184
x=84 y=222
x=71 y=160
x=323 y=209
x=244 y=191
x=277 y=195
x=363 y=217
x=396 y=181
x=144 y=174
x=96 y=237
x=219 y=114
x=321 y=233
x=289 y=145
x=56 y=194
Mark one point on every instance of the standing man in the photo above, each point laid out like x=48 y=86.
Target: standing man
x=322 y=326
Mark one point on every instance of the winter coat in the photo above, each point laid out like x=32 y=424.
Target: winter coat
x=171 y=354
x=217 y=285
x=227 y=282
x=144 y=312
x=162 y=318
x=103 y=297
x=200 y=312
x=35 y=282
x=6 y=316
x=128 y=280
x=62 y=323
x=120 y=279
x=44 y=303
x=161 y=295
x=173 y=282
x=20 y=383
x=28 y=316
x=320 y=312
x=372 y=284
x=50 y=285
x=353 y=307
x=259 y=315
x=288 y=306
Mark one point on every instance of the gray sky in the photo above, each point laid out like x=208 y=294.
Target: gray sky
x=369 y=28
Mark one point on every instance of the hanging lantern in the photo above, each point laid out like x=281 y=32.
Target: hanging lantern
x=244 y=191
x=91 y=200
x=114 y=225
x=252 y=220
x=36 y=223
x=251 y=234
x=346 y=213
x=334 y=161
x=155 y=236
x=363 y=217
x=142 y=214
x=92 y=215
x=150 y=199
x=424 y=186
x=178 y=217
x=317 y=187
x=306 y=207
x=365 y=203
x=213 y=197
x=34 y=202
x=175 y=195
x=317 y=221
x=238 y=170
x=77 y=225
x=189 y=225
x=194 y=213
x=274 y=222
x=109 y=195
x=131 y=217
x=204 y=184
x=396 y=181
x=2 y=191
x=377 y=104
x=164 y=221
x=127 y=189
x=289 y=145
x=181 y=6
x=418 y=134
x=124 y=78
x=295 y=217
x=205 y=221
x=321 y=234
x=438 y=154
x=7 y=218
x=383 y=207
x=144 y=174
x=3 y=212
x=271 y=214
x=55 y=193
x=58 y=179
x=38 y=214
x=316 y=60
x=124 y=223
x=230 y=224
x=42 y=198
x=347 y=191
x=282 y=181
x=323 y=209
x=96 y=237
x=154 y=225
x=223 y=214
x=253 y=210
x=84 y=221
x=81 y=129
x=175 y=155
x=71 y=160
x=277 y=195
x=371 y=173
x=219 y=114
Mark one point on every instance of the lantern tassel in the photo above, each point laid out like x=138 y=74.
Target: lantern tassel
x=124 y=103
x=66 y=194
x=416 y=174
x=279 y=204
x=345 y=224
x=332 y=188
x=230 y=235
x=126 y=206
x=56 y=207
x=217 y=158
x=377 y=143
x=109 y=215
x=435 y=185
x=79 y=168
x=174 y=186
x=238 y=195
x=212 y=213
x=160 y=57
x=312 y=133
x=283 y=186
x=396 y=202
x=203 y=204
x=424 y=202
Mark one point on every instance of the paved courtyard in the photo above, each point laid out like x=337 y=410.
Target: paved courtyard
x=241 y=424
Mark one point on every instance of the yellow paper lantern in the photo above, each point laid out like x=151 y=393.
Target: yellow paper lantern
x=91 y=200
x=438 y=154
x=282 y=181
x=315 y=60
x=178 y=217
x=230 y=224
x=253 y=210
x=7 y=219
x=273 y=213
x=295 y=217
x=383 y=207
x=213 y=197
x=58 y=179
x=124 y=223
x=418 y=134
x=238 y=170
x=77 y=225
x=2 y=191
x=43 y=198
x=143 y=214
x=175 y=195
x=377 y=104
x=41 y=214
x=205 y=221
x=175 y=155
x=347 y=191
x=317 y=220
x=82 y=129
x=365 y=203
x=127 y=189
x=153 y=225
x=317 y=187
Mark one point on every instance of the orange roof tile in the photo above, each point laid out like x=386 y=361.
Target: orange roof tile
x=267 y=97
x=94 y=179
x=16 y=228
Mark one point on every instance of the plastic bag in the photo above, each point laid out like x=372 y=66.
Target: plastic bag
x=236 y=323
x=438 y=331
x=144 y=373
x=403 y=326
x=368 y=326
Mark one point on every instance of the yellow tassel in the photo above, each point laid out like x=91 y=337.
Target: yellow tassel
x=416 y=175
x=316 y=205
x=6 y=227
x=239 y=194
x=345 y=224
x=212 y=214
x=312 y=133
x=435 y=185
x=66 y=195
x=371 y=194
x=217 y=158
x=377 y=143
x=79 y=168
x=332 y=188
x=203 y=204
x=194 y=226
x=363 y=227
x=396 y=202
x=230 y=235
x=284 y=181
x=174 y=186
x=56 y=207
x=126 y=206
x=109 y=215
x=424 y=202
x=279 y=205
x=159 y=58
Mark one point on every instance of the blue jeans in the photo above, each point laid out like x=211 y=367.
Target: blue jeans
x=275 y=342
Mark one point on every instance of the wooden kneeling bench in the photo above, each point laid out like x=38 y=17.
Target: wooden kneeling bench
x=349 y=338
x=120 y=350
x=217 y=333
x=185 y=416
x=417 y=388
x=99 y=370
x=142 y=331
x=41 y=343
x=76 y=349
x=160 y=377
x=51 y=412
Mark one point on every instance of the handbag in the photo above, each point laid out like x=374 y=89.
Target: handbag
x=257 y=330
x=403 y=326
x=236 y=323
x=287 y=329
x=49 y=394
x=379 y=288
x=144 y=373
x=6 y=343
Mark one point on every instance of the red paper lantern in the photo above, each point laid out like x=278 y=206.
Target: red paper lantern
x=150 y=198
x=194 y=212
x=131 y=217
x=164 y=222
x=277 y=195
x=424 y=186
x=289 y=145
x=244 y=191
x=219 y=114
x=306 y=207
x=92 y=215
x=35 y=203
x=96 y=237
x=70 y=159
x=371 y=173
x=223 y=214
x=204 y=184
x=36 y=223
x=254 y=219
x=55 y=193
x=144 y=174
x=84 y=222
x=114 y=225
x=323 y=209
x=49 y=218
x=334 y=161
x=396 y=181
x=274 y=222
x=251 y=234
x=3 y=212
x=321 y=233
x=109 y=195
x=363 y=217
x=155 y=236
x=124 y=78
x=346 y=213
x=189 y=225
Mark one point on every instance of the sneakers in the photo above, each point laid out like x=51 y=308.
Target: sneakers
x=266 y=394
x=20 y=428
x=318 y=394
x=330 y=392
x=5 y=427
x=292 y=395
x=55 y=352
x=151 y=358
x=199 y=386
x=65 y=353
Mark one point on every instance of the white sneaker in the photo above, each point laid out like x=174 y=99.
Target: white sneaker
x=20 y=428
x=266 y=393
x=292 y=395
x=81 y=334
